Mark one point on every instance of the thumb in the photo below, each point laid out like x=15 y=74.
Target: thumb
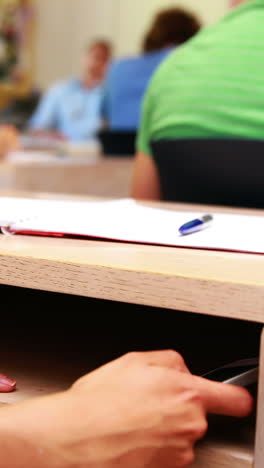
x=220 y=398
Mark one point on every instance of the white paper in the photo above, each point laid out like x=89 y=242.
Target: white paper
x=127 y=220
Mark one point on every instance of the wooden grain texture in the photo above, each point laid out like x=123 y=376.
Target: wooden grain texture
x=208 y=282
x=215 y=283
x=37 y=376
x=109 y=177
x=6 y=176
x=224 y=454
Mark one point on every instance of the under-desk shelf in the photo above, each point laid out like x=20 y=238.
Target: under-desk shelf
x=223 y=452
x=38 y=376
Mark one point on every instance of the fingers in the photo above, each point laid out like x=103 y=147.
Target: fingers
x=220 y=398
x=7 y=385
x=217 y=398
x=169 y=359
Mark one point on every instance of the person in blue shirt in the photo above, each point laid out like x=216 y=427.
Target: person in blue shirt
x=128 y=79
x=71 y=109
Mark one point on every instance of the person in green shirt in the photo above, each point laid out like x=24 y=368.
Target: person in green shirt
x=211 y=88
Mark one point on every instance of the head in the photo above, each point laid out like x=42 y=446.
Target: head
x=170 y=27
x=96 y=59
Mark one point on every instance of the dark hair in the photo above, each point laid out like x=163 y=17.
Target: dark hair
x=170 y=27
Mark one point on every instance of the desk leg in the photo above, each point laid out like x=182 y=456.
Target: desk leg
x=259 y=449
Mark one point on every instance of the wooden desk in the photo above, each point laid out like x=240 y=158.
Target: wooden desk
x=6 y=176
x=214 y=283
x=108 y=177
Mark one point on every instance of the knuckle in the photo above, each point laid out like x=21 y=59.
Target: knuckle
x=132 y=357
x=185 y=459
x=198 y=430
x=202 y=429
x=175 y=357
x=194 y=396
x=78 y=384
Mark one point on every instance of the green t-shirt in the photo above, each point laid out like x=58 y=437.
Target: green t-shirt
x=213 y=86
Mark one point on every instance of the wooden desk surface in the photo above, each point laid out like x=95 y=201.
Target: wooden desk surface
x=107 y=177
x=215 y=283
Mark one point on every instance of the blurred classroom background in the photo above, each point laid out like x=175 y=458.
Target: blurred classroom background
x=41 y=44
x=64 y=27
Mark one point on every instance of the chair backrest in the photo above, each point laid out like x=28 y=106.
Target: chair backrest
x=213 y=171
x=20 y=110
x=118 y=143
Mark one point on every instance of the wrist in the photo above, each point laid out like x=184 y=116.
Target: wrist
x=28 y=436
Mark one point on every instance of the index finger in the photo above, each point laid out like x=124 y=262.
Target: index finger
x=220 y=398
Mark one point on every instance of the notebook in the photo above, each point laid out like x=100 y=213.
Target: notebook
x=129 y=221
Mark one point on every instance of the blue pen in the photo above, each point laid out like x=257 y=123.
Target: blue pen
x=196 y=225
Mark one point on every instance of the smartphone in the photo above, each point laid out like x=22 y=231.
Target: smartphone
x=242 y=373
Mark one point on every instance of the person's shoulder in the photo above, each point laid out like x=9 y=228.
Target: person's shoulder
x=155 y=58
x=60 y=87
x=125 y=62
x=245 y=10
x=116 y=65
x=116 y=70
x=165 y=52
x=127 y=67
x=141 y=59
x=246 y=23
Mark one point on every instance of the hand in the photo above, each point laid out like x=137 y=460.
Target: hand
x=8 y=140
x=7 y=385
x=153 y=410
x=143 y=410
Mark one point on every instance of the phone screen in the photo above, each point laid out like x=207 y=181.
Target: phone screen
x=221 y=375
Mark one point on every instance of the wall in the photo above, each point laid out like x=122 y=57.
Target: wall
x=64 y=26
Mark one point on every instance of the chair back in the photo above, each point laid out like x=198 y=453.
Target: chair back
x=118 y=143
x=211 y=171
